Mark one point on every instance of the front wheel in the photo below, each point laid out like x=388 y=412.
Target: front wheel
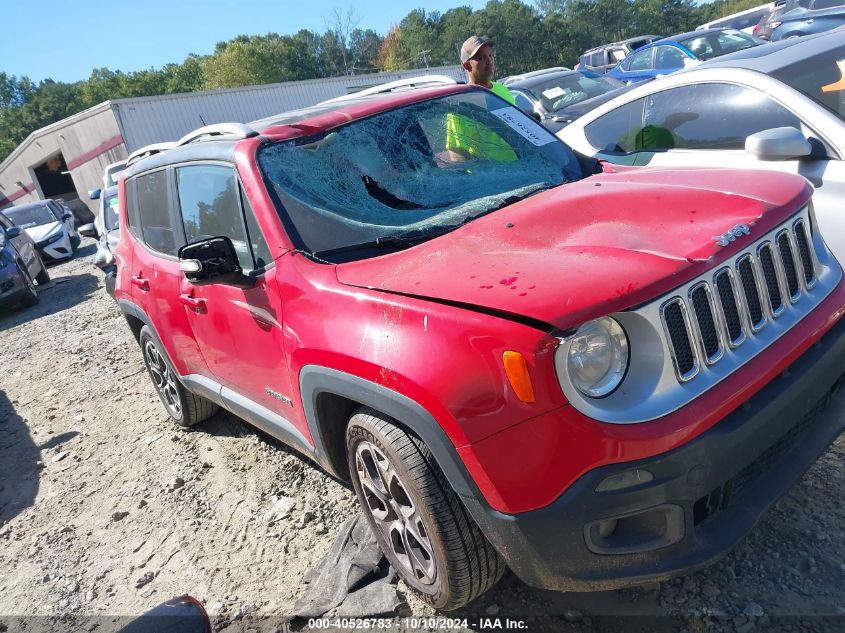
x=419 y=521
x=29 y=294
x=185 y=408
x=43 y=277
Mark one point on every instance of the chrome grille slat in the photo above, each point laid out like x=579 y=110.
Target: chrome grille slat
x=720 y=313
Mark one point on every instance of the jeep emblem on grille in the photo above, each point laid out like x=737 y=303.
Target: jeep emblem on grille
x=730 y=236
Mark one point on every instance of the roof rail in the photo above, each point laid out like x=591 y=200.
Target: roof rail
x=148 y=150
x=235 y=130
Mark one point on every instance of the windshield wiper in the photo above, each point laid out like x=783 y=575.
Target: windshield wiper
x=506 y=202
x=409 y=238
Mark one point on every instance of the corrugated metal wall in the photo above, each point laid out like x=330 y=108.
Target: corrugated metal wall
x=168 y=117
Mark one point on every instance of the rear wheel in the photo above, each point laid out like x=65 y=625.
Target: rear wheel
x=29 y=294
x=419 y=521
x=185 y=408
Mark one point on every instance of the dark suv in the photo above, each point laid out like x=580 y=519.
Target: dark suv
x=20 y=265
x=603 y=58
x=515 y=354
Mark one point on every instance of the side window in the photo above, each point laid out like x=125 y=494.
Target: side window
x=597 y=59
x=210 y=205
x=4 y=222
x=615 y=131
x=616 y=55
x=522 y=102
x=639 y=61
x=826 y=4
x=153 y=212
x=709 y=116
x=669 y=58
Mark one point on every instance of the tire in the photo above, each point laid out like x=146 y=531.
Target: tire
x=29 y=294
x=417 y=512
x=185 y=408
x=42 y=277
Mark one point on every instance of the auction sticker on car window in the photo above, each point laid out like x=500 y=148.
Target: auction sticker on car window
x=524 y=125
x=554 y=93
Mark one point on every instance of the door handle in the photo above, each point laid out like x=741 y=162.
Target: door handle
x=143 y=284
x=196 y=304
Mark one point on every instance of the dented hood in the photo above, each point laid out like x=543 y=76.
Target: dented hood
x=587 y=249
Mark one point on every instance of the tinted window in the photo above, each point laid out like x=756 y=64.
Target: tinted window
x=709 y=116
x=826 y=4
x=669 y=58
x=719 y=43
x=208 y=200
x=615 y=131
x=819 y=78
x=639 y=61
x=256 y=237
x=154 y=212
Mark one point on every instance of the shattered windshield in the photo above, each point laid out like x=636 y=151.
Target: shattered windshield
x=568 y=90
x=26 y=217
x=408 y=174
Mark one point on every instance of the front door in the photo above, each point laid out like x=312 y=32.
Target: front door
x=238 y=330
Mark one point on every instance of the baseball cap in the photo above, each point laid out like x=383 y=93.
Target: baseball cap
x=471 y=46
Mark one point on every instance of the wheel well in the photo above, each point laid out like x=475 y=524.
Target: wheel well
x=333 y=413
x=135 y=324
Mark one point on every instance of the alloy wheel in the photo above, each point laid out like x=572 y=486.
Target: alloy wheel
x=396 y=515
x=163 y=378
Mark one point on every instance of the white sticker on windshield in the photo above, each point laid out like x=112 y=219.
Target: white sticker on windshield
x=525 y=125
x=552 y=93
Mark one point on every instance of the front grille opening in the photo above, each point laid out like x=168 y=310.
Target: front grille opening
x=752 y=295
x=771 y=277
x=706 y=322
x=727 y=299
x=804 y=253
x=679 y=337
x=789 y=266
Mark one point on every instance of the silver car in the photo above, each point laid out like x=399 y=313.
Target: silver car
x=779 y=107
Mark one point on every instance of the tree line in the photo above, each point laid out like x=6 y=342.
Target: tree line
x=528 y=37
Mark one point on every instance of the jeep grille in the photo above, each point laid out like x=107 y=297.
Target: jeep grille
x=719 y=314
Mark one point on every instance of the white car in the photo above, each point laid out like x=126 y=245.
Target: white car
x=779 y=107
x=111 y=173
x=49 y=225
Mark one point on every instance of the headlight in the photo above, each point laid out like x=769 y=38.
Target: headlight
x=597 y=357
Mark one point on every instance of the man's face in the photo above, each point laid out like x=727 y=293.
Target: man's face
x=482 y=66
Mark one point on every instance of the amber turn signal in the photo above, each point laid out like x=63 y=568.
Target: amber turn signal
x=517 y=371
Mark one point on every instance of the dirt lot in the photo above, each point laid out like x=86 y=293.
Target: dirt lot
x=107 y=509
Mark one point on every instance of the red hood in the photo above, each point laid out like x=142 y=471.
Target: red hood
x=590 y=248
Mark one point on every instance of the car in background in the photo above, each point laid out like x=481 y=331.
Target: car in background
x=49 y=225
x=675 y=53
x=507 y=81
x=803 y=17
x=111 y=173
x=744 y=21
x=555 y=99
x=779 y=108
x=20 y=266
x=107 y=231
x=602 y=58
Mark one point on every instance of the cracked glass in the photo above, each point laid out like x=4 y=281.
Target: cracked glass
x=416 y=171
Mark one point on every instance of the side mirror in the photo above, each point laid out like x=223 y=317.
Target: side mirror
x=66 y=217
x=88 y=230
x=536 y=116
x=12 y=232
x=94 y=194
x=213 y=261
x=780 y=143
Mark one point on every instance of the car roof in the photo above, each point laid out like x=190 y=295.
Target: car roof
x=683 y=36
x=776 y=55
x=636 y=38
x=541 y=79
x=29 y=205
x=287 y=125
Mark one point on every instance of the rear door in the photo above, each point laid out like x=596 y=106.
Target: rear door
x=238 y=330
x=155 y=276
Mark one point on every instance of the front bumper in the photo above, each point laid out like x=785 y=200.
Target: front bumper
x=56 y=251
x=704 y=496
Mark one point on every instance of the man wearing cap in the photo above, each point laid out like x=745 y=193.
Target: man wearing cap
x=479 y=60
x=467 y=138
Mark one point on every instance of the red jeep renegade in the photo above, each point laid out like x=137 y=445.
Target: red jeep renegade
x=596 y=375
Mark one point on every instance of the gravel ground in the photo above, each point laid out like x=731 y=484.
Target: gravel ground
x=107 y=508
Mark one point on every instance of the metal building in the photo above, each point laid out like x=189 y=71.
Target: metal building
x=67 y=159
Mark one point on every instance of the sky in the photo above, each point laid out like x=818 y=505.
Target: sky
x=65 y=40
